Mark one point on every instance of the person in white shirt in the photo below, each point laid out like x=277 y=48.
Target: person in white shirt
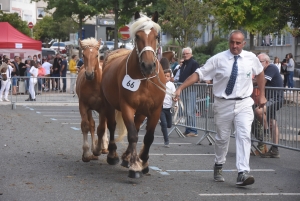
x=5 y=85
x=33 y=80
x=232 y=103
x=47 y=67
x=165 y=115
x=277 y=63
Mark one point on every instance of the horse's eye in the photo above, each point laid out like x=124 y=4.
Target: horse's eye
x=137 y=37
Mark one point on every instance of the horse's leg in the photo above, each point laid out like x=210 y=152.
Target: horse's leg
x=101 y=129
x=112 y=156
x=138 y=120
x=148 y=139
x=92 y=130
x=85 y=128
x=135 y=163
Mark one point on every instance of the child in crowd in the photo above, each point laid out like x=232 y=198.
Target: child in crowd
x=165 y=115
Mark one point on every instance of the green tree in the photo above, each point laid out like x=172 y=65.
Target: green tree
x=48 y=28
x=14 y=20
x=78 y=10
x=123 y=11
x=182 y=17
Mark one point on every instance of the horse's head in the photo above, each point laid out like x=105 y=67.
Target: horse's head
x=3 y=71
x=145 y=33
x=90 y=51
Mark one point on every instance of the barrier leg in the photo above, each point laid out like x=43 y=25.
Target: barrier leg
x=208 y=137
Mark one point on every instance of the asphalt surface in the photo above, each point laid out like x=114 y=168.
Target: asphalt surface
x=41 y=149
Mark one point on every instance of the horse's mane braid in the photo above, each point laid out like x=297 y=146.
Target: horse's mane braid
x=89 y=42
x=143 y=23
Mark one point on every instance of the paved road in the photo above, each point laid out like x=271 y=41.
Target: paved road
x=40 y=151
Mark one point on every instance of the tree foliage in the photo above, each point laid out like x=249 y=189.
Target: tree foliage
x=14 y=20
x=182 y=17
x=48 y=28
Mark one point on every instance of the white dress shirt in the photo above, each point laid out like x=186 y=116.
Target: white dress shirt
x=218 y=68
x=168 y=101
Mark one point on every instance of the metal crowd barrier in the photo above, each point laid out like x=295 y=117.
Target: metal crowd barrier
x=47 y=90
x=197 y=113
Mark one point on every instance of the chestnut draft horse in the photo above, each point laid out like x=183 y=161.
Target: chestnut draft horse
x=88 y=90
x=134 y=84
x=169 y=55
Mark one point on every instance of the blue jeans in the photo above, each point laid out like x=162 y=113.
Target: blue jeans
x=64 y=81
x=14 y=81
x=165 y=123
x=190 y=108
x=290 y=79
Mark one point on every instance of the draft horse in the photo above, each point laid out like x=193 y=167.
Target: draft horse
x=88 y=90
x=134 y=84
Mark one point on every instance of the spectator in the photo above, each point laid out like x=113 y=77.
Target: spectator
x=165 y=115
x=63 y=72
x=47 y=66
x=56 y=72
x=231 y=72
x=41 y=75
x=277 y=63
x=174 y=63
x=290 y=64
x=5 y=85
x=27 y=74
x=22 y=67
x=80 y=63
x=176 y=71
x=73 y=72
x=188 y=67
x=14 y=74
x=284 y=71
x=267 y=114
x=33 y=80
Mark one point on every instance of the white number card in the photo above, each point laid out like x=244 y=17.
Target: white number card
x=131 y=84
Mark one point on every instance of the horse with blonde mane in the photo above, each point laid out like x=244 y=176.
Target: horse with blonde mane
x=133 y=84
x=88 y=90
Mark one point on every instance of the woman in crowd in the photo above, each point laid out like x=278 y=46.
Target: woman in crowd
x=277 y=63
x=290 y=64
x=73 y=72
x=33 y=80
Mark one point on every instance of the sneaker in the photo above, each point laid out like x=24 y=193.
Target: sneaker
x=244 y=179
x=218 y=177
x=6 y=100
x=272 y=153
x=191 y=135
x=167 y=145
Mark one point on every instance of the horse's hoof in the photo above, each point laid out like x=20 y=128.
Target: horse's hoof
x=125 y=164
x=104 y=151
x=134 y=175
x=112 y=161
x=85 y=159
x=93 y=157
x=145 y=170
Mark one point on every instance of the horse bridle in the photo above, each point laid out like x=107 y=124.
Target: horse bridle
x=146 y=48
x=97 y=48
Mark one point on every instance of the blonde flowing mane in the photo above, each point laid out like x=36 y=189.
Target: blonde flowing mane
x=89 y=42
x=143 y=23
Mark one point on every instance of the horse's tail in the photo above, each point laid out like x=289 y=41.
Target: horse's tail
x=120 y=127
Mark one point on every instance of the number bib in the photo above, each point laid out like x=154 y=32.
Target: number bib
x=131 y=84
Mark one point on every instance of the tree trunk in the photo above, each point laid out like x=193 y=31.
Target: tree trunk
x=80 y=36
x=251 y=41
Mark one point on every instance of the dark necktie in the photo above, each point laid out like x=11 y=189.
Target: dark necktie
x=233 y=76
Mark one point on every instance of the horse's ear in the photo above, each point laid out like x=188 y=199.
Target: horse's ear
x=155 y=17
x=136 y=15
x=99 y=42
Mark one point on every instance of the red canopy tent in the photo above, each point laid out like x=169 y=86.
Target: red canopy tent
x=14 y=43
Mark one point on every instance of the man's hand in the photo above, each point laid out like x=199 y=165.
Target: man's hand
x=261 y=101
x=177 y=94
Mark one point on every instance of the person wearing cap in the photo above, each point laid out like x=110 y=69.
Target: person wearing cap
x=63 y=72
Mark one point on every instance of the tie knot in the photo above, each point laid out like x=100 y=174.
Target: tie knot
x=236 y=57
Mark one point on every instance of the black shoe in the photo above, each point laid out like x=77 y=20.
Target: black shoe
x=33 y=100
x=244 y=179
x=28 y=99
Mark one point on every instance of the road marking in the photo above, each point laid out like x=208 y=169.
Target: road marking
x=160 y=171
x=248 y=194
x=233 y=170
x=38 y=112
x=76 y=129
x=53 y=119
x=51 y=115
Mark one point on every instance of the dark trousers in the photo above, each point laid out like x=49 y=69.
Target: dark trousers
x=165 y=122
x=64 y=81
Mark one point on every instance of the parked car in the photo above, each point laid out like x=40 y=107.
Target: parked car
x=107 y=45
x=48 y=51
x=63 y=47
